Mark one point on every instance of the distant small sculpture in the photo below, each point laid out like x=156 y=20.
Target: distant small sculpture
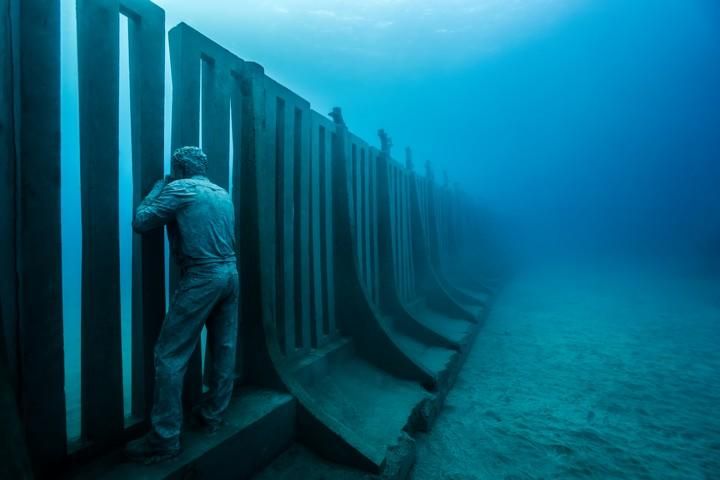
x=409 y=160
x=337 y=116
x=385 y=142
x=201 y=227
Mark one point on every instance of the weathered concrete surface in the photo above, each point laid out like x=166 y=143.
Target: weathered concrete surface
x=147 y=75
x=361 y=374
x=40 y=327
x=458 y=331
x=98 y=79
x=8 y=258
x=374 y=405
x=260 y=425
x=368 y=401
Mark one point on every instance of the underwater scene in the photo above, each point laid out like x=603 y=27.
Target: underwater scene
x=390 y=239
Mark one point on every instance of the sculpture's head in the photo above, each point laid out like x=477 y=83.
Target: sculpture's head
x=188 y=162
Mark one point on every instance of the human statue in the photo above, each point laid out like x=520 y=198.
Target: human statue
x=385 y=142
x=201 y=227
x=337 y=116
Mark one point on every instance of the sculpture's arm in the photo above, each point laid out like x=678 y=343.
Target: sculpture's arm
x=161 y=205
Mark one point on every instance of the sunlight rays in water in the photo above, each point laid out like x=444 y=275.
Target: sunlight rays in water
x=383 y=30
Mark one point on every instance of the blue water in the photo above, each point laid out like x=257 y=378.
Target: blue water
x=590 y=130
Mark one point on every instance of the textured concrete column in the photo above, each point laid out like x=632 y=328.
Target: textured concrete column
x=321 y=266
x=302 y=197
x=375 y=235
x=147 y=111
x=98 y=54
x=40 y=333
x=256 y=224
x=327 y=194
x=8 y=267
x=387 y=245
x=284 y=224
x=14 y=462
x=368 y=220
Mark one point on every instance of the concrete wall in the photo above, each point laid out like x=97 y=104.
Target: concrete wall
x=333 y=235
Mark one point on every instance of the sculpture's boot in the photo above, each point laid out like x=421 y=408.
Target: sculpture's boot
x=149 y=450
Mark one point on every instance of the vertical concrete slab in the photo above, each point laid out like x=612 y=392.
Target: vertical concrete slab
x=387 y=171
x=248 y=107
x=216 y=96
x=397 y=187
x=269 y=188
x=406 y=234
x=357 y=204
x=147 y=99
x=316 y=310
x=404 y=237
x=40 y=333
x=329 y=230
x=410 y=258
x=301 y=154
x=273 y=179
x=367 y=221
x=397 y=227
x=374 y=234
x=286 y=211
x=402 y=250
x=14 y=461
x=8 y=267
x=216 y=88
x=362 y=207
x=98 y=63
x=185 y=64
x=185 y=67
x=387 y=244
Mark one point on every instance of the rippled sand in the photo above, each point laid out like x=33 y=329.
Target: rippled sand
x=582 y=374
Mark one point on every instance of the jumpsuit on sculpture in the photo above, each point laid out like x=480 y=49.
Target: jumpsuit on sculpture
x=201 y=228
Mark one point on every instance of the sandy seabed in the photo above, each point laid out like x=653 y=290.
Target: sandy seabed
x=595 y=373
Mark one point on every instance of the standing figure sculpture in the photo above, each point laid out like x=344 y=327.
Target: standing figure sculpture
x=201 y=227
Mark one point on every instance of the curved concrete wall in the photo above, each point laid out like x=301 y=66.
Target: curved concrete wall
x=348 y=324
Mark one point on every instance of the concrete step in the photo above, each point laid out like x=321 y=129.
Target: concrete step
x=444 y=365
x=373 y=410
x=457 y=331
x=470 y=296
x=482 y=297
x=478 y=311
x=260 y=426
x=437 y=360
